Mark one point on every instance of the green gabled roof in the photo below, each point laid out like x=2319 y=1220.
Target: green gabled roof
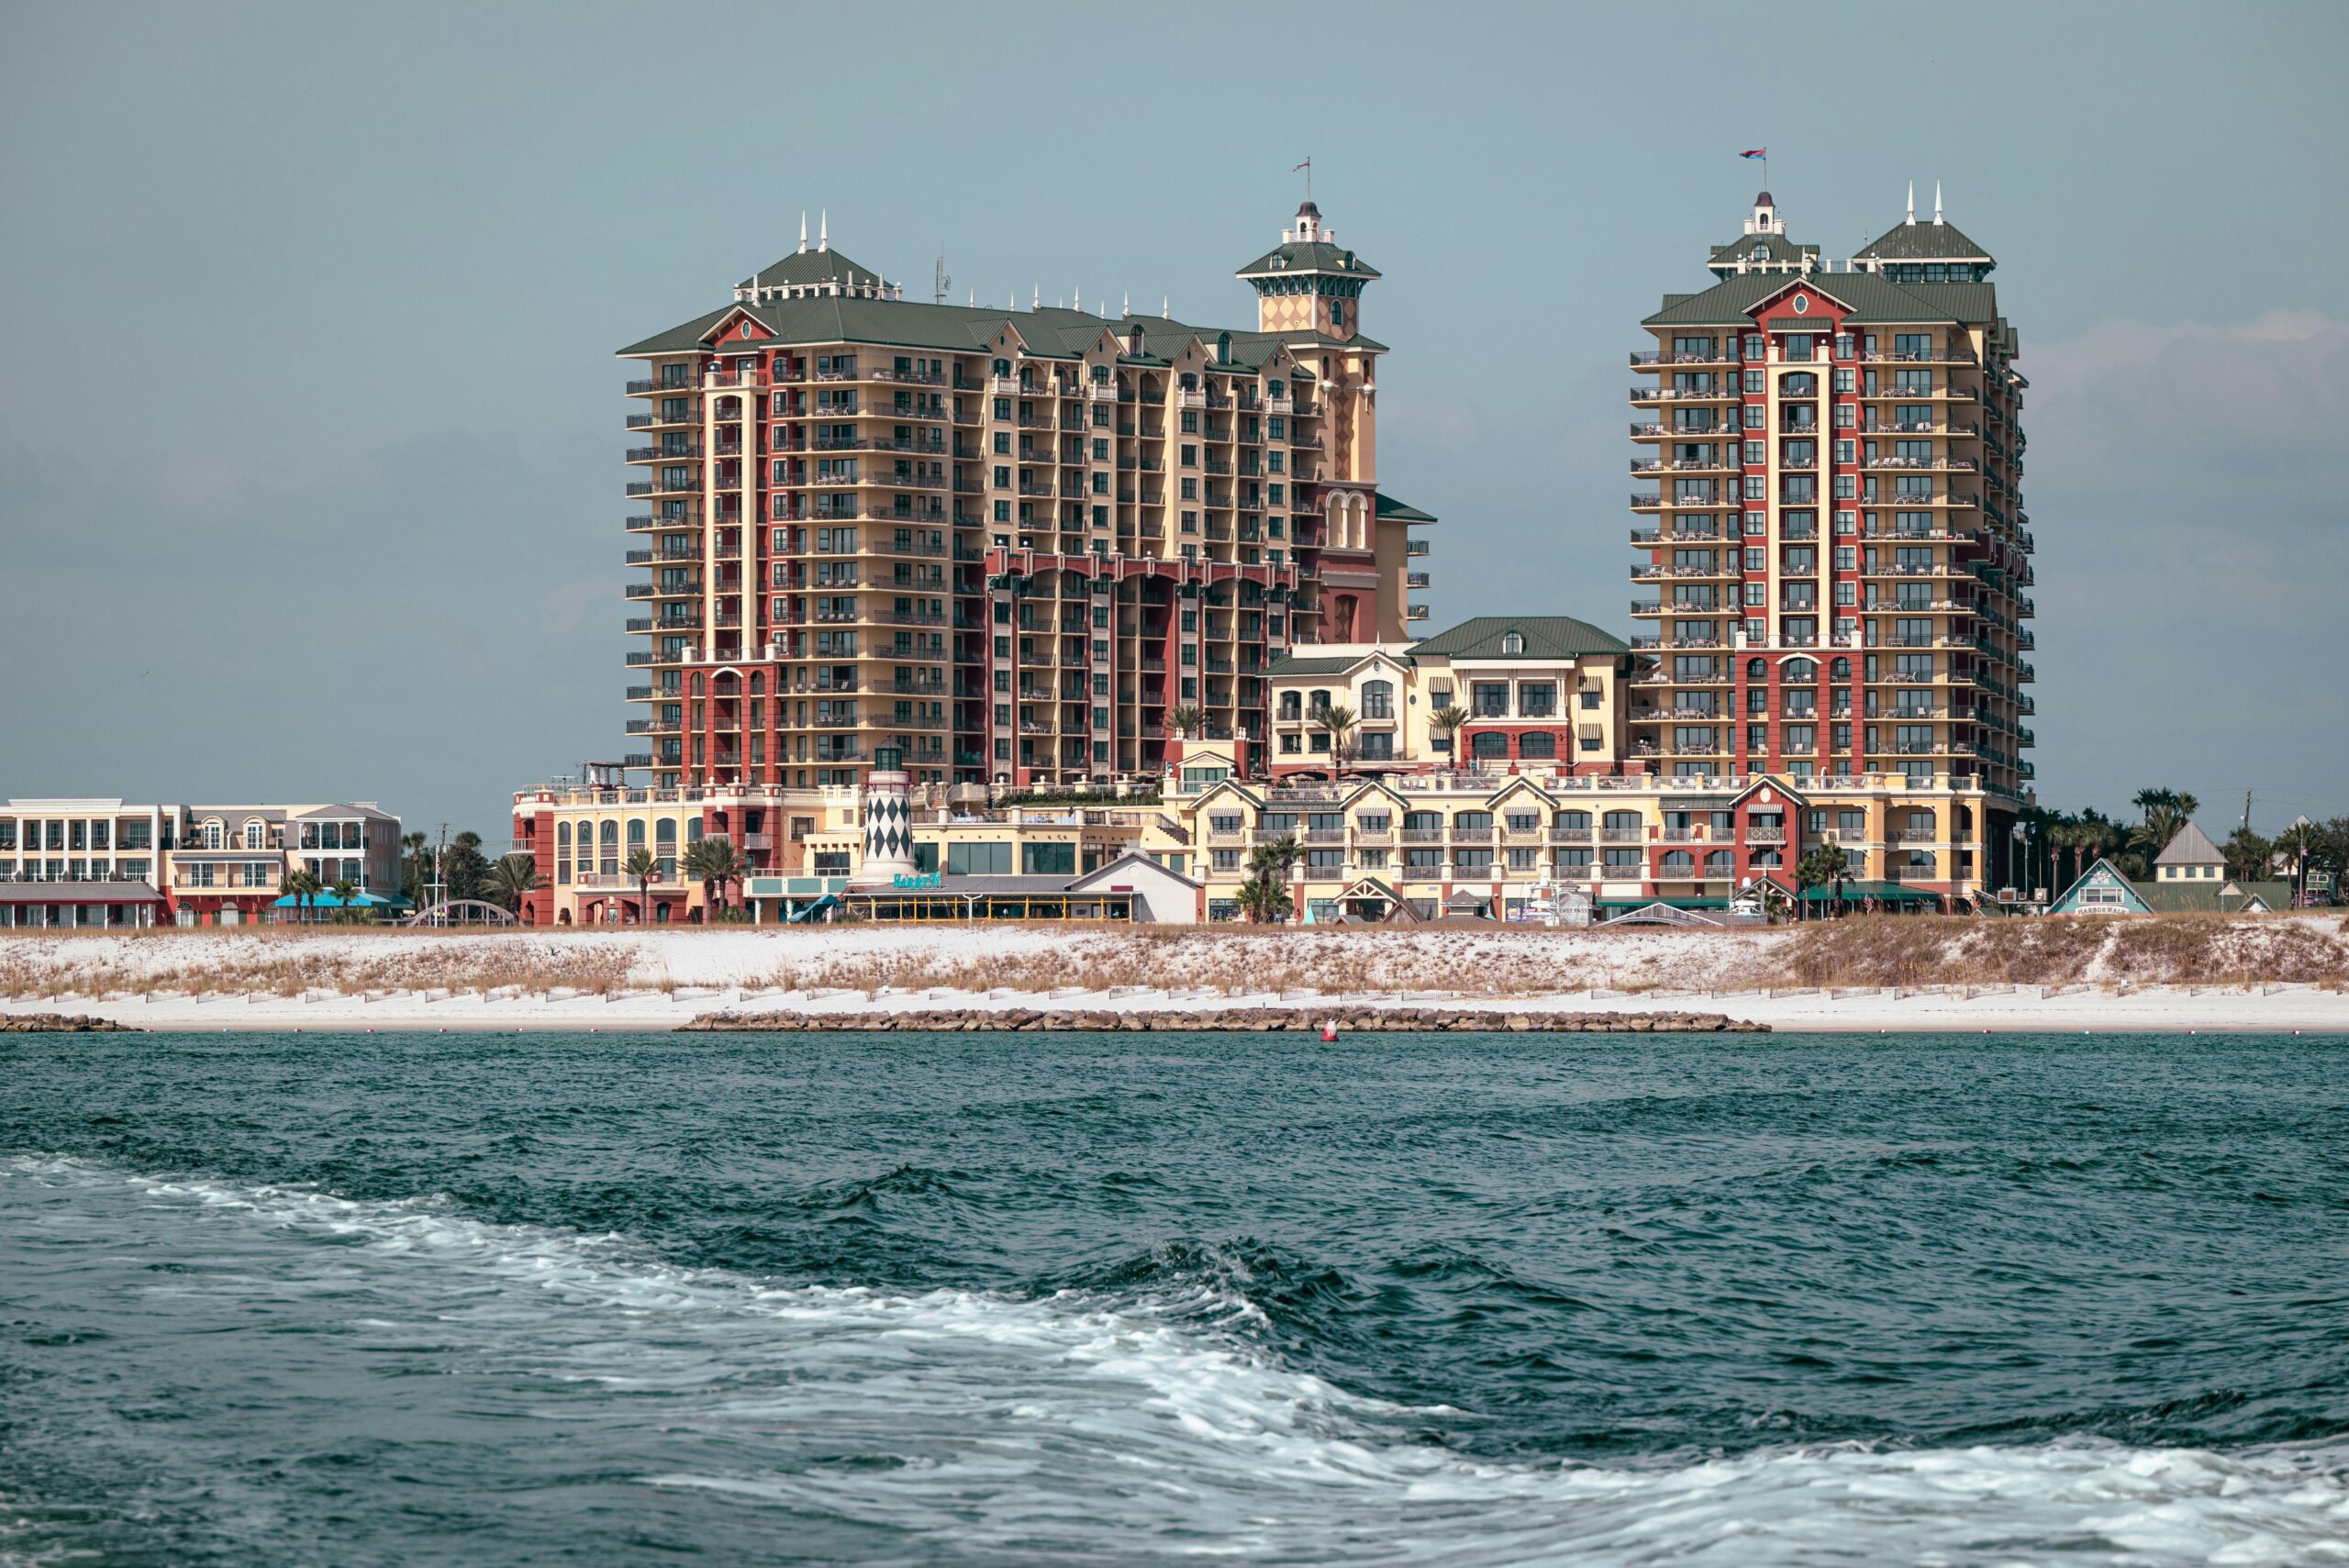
x=1546 y=636
x=1312 y=256
x=809 y=268
x=1934 y=241
x=1872 y=300
x=2211 y=898
x=1390 y=508
x=1050 y=330
x=1307 y=666
x=679 y=339
x=1775 y=248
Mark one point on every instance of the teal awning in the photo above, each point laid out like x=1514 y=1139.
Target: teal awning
x=325 y=899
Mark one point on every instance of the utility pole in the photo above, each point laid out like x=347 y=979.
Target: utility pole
x=2246 y=811
x=440 y=876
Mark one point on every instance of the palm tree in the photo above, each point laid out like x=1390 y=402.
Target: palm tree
x=511 y=877
x=306 y=886
x=1185 y=720
x=1263 y=897
x=2072 y=836
x=1338 y=723
x=2302 y=842
x=713 y=863
x=1445 y=722
x=2144 y=800
x=1819 y=865
x=2247 y=854
x=414 y=843
x=640 y=868
x=2160 y=825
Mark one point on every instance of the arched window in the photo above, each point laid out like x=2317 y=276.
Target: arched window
x=692 y=829
x=216 y=833
x=1802 y=671
x=1513 y=642
x=1539 y=745
x=1755 y=670
x=256 y=833
x=1489 y=745
x=1378 y=699
x=636 y=834
x=1841 y=669
x=608 y=858
x=664 y=846
x=758 y=683
x=562 y=838
x=696 y=684
x=1680 y=862
x=1719 y=864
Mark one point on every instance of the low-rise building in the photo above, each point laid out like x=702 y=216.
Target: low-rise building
x=92 y=861
x=1504 y=842
x=2189 y=878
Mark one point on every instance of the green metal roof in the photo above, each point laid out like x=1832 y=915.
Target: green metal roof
x=1313 y=256
x=809 y=268
x=1934 y=241
x=1871 y=299
x=1051 y=331
x=1390 y=508
x=1546 y=636
x=1310 y=664
x=1773 y=248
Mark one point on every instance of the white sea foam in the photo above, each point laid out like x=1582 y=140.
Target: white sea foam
x=1078 y=1428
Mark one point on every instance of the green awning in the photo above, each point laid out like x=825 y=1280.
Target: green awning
x=1881 y=892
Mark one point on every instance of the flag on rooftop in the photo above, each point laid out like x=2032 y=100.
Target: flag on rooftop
x=1756 y=153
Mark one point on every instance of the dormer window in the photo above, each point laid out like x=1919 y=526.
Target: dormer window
x=1514 y=643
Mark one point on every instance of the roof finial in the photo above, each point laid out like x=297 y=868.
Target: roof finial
x=803 y=232
x=1036 y=299
x=1166 y=307
x=1937 y=202
x=824 y=236
x=1126 y=307
x=1912 y=202
x=974 y=299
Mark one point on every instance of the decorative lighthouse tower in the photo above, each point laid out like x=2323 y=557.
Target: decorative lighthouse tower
x=888 y=820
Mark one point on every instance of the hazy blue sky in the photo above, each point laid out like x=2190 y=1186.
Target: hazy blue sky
x=310 y=433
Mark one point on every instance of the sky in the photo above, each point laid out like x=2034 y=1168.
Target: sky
x=311 y=434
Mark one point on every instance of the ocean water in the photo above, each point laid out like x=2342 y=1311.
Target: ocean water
x=360 y=1300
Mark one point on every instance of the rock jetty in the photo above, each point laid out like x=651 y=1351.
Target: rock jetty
x=1243 y=1020
x=59 y=1023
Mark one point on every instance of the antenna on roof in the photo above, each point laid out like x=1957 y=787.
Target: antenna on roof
x=937 y=292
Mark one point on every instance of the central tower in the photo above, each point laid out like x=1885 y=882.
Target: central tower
x=1310 y=283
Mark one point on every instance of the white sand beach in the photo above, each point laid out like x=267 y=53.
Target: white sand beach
x=2281 y=974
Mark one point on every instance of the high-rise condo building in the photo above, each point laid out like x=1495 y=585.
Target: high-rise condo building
x=1016 y=546
x=1837 y=551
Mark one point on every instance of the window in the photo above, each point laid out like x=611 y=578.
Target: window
x=1513 y=642
x=1537 y=745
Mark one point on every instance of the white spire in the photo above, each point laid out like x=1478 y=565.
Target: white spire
x=1166 y=307
x=1912 y=202
x=824 y=236
x=974 y=299
x=1937 y=201
x=803 y=230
